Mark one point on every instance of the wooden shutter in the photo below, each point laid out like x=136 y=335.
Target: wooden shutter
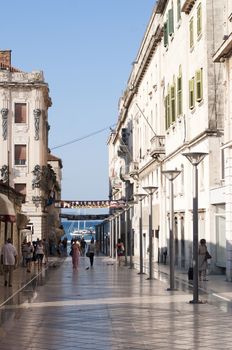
x=191 y=33
x=20 y=112
x=173 y=102
x=178 y=10
x=199 y=87
x=199 y=20
x=170 y=22
x=191 y=94
x=179 y=93
x=168 y=108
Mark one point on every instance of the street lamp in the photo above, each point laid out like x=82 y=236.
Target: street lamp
x=140 y=197
x=195 y=158
x=150 y=190
x=171 y=175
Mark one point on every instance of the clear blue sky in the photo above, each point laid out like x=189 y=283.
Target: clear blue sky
x=85 y=49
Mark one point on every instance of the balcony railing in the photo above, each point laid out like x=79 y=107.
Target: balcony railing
x=157 y=146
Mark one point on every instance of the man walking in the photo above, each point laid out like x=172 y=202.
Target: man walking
x=9 y=260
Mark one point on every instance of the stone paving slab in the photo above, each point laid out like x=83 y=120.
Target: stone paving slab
x=110 y=308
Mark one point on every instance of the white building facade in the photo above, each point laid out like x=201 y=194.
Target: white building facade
x=223 y=59
x=24 y=104
x=173 y=105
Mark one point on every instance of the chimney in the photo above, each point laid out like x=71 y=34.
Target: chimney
x=5 y=58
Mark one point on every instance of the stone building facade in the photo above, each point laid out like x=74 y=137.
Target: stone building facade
x=223 y=59
x=24 y=104
x=173 y=104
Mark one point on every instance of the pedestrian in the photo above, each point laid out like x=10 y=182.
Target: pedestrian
x=202 y=259
x=97 y=247
x=40 y=254
x=75 y=254
x=9 y=259
x=91 y=251
x=83 y=246
x=24 y=252
x=46 y=250
x=29 y=256
x=120 y=251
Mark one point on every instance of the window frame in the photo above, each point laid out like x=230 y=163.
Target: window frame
x=179 y=93
x=199 y=20
x=199 y=85
x=20 y=117
x=192 y=93
x=191 y=33
x=23 y=151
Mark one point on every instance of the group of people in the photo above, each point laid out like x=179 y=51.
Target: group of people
x=80 y=248
x=36 y=251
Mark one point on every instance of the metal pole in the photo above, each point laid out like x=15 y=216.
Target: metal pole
x=126 y=235
x=171 y=238
x=141 y=237
x=195 y=238
x=116 y=237
x=151 y=274
x=131 y=239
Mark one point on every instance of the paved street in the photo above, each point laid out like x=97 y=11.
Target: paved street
x=108 y=307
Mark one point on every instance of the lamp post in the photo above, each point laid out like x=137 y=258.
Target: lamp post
x=150 y=190
x=140 y=197
x=171 y=175
x=195 y=158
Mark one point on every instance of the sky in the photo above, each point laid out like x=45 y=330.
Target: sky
x=85 y=49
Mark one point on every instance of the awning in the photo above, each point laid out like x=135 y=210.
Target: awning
x=7 y=211
x=22 y=221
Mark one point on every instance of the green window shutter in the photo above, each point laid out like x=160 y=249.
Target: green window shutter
x=191 y=33
x=179 y=93
x=191 y=94
x=170 y=22
x=166 y=112
x=173 y=102
x=178 y=10
x=165 y=34
x=199 y=85
x=168 y=108
x=199 y=20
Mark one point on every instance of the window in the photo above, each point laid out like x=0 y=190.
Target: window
x=191 y=94
x=178 y=10
x=170 y=22
x=173 y=102
x=20 y=154
x=167 y=109
x=20 y=112
x=21 y=188
x=179 y=92
x=199 y=20
x=167 y=120
x=199 y=87
x=191 y=33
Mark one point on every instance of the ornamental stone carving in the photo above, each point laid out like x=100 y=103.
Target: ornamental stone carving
x=37 y=172
x=37 y=114
x=4 y=173
x=4 y=113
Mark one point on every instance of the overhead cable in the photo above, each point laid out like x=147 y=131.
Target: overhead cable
x=84 y=137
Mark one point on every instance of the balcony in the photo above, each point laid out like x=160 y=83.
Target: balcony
x=133 y=169
x=157 y=146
